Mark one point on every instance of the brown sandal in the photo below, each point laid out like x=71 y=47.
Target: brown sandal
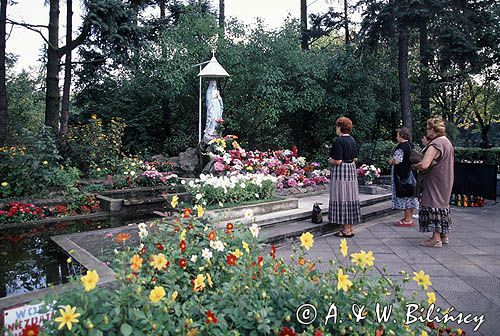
x=431 y=243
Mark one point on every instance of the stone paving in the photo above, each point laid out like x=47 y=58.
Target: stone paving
x=465 y=274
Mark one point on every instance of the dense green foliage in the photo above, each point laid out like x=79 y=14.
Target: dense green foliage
x=489 y=156
x=35 y=167
x=277 y=96
x=91 y=145
x=142 y=69
x=25 y=105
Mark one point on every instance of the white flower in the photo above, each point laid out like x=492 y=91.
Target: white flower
x=141 y=246
x=248 y=214
x=125 y=173
x=256 y=195
x=221 y=205
x=217 y=245
x=132 y=173
x=116 y=251
x=194 y=257
x=254 y=229
x=191 y=184
x=183 y=182
x=206 y=254
x=143 y=234
x=243 y=185
x=142 y=226
x=199 y=196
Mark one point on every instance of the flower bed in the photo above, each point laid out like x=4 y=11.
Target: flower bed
x=368 y=173
x=188 y=278
x=289 y=169
x=233 y=188
x=20 y=212
x=25 y=212
x=133 y=172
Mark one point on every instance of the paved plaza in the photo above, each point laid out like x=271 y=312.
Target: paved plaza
x=465 y=274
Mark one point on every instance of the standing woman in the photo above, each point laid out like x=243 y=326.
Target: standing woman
x=403 y=198
x=434 y=214
x=344 y=208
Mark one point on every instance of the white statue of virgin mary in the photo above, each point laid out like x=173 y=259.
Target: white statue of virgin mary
x=214 y=111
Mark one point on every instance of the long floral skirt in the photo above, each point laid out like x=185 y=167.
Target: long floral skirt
x=344 y=206
x=434 y=220
x=401 y=203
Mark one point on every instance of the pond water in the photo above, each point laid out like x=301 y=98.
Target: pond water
x=30 y=260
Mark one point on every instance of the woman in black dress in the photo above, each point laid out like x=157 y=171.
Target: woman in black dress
x=344 y=207
x=403 y=198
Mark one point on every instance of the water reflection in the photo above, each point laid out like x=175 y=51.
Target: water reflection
x=30 y=260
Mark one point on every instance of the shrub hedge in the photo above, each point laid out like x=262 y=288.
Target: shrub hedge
x=479 y=155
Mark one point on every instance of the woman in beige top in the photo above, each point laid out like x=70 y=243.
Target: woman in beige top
x=434 y=214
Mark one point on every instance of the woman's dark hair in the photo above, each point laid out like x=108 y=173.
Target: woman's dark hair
x=404 y=133
x=345 y=125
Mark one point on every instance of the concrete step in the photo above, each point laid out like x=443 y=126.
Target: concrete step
x=303 y=211
x=291 y=229
x=271 y=207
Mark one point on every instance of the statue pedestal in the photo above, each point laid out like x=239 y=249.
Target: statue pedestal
x=187 y=163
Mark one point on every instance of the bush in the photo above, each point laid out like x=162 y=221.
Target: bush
x=26 y=103
x=489 y=156
x=35 y=167
x=189 y=278
x=377 y=154
x=93 y=148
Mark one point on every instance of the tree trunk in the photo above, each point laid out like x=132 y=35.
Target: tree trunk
x=404 y=82
x=222 y=16
x=52 y=96
x=485 y=141
x=346 y=22
x=67 y=69
x=393 y=59
x=304 y=43
x=162 y=9
x=3 y=89
x=425 y=105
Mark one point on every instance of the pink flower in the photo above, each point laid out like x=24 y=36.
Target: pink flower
x=292 y=183
x=218 y=166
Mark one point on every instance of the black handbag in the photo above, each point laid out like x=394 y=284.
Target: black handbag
x=316 y=215
x=405 y=187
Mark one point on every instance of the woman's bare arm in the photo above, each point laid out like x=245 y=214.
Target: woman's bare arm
x=334 y=162
x=430 y=154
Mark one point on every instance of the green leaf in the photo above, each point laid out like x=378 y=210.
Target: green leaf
x=126 y=329
x=96 y=332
